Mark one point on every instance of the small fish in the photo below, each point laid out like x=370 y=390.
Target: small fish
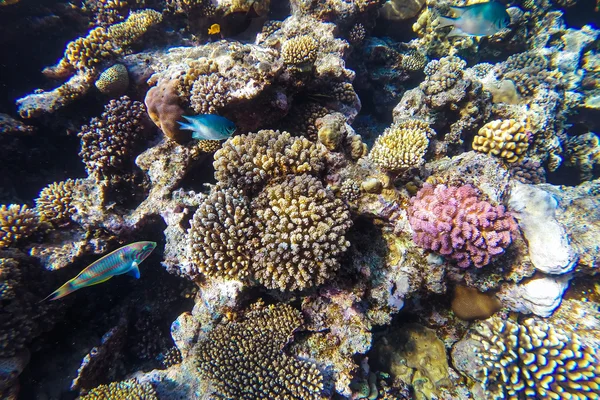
x=482 y=19
x=214 y=29
x=208 y=127
x=124 y=260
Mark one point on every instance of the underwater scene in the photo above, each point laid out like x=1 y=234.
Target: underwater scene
x=299 y=199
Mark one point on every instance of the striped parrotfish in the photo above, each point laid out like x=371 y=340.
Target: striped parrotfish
x=481 y=19
x=208 y=127
x=124 y=260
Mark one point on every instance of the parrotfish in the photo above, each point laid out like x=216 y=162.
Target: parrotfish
x=482 y=19
x=124 y=260
x=208 y=127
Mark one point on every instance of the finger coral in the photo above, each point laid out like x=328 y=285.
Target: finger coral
x=126 y=390
x=300 y=51
x=454 y=222
x=402 y=146
x=244 y=360
x=301 y=231
x=249 y=161
x=108 y=143
x=219 y=235
x=54 y=203
x=532 y=359
x=502 y=138
x=16 y=223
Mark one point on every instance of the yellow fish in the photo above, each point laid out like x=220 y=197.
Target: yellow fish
x=214 y=29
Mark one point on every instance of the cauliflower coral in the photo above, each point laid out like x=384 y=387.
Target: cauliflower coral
x=454 y=222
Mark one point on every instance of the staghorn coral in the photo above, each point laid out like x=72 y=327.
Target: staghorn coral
x=108 y=143
x=244 y=360
x=249 y=161
x=402 y=146
x=301 y=231
x=219 y=233
x=54 y=203
x=114 y=81
x=16 y=222
x=454 y=222
x=532 y=359
x=300 y=51
x=126 y=390
x=506 y=139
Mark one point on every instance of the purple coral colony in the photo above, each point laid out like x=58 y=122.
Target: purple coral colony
x=403 y=201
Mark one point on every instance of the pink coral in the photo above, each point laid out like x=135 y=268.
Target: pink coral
x=454 y=222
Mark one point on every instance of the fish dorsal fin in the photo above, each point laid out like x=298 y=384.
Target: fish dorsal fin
x=134 y=271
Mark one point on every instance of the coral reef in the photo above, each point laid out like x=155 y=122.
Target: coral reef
x=506 y=139
x=455 y=223
x=16 y=222
x=114 y=81
x=261 y=369
x=528 y=359
x=126 y=390
x=55 y=202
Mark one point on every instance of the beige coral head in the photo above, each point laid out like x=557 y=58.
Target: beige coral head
x=300 y=50
x=506 y=139
x=402 y=146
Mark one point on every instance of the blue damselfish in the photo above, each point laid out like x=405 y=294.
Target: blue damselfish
x=482 y=19
x=208 y=127
x=124 y=260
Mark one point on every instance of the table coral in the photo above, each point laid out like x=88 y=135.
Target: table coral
x=454 y=222
x=531 y=359
x=126 y=390
x=301 y=231
x=244 y=359
x=402 y=146
x=506 y=139
x=54 y=203
x=16 y=222
x=108 y=143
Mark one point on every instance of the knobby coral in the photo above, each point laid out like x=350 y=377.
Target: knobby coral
x=126 y=390
x=506 y=139
x=454 y=222
x=402 y=146
x=534 y=359
x=244 y=360
x=113 y=81
x=301 y=233
x=16 y=222
x=54 y=203
x=300 y=50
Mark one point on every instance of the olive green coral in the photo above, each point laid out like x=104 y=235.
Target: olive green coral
x=300 y=50
x=502 y=138
x=402 y=146
x=54 y=203
x=244 y=360
x=249 y=161
x=534 y=359
x=301 y=231
x=16 y=222
x=126 y=390
x=219 y=233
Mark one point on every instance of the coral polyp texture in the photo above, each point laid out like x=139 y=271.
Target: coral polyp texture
x=402 y=146
x=108 y=143
x=16 y=222
x=533 y=360
x=301 y=50
x=249 y=161
x=220 y=232
x=455 y=223
x=301 y=231
x=126 y=390
x=55 y=202
x=246 y=359
x=506 y=139
x=113 y=81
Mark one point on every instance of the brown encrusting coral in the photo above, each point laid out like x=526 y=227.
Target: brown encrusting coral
x=301 y=231
x=245 y=360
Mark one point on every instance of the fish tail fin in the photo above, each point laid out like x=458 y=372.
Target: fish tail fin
x=186 y=125
x=446 y=21
x=62 y=291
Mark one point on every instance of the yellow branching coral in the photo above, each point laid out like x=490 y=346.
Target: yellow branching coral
x=402 y=146
x=16 y=222
x=502 y=138
x=55 y=201
x=249 y=161
x=301 y=231
x=89 y=51
x=245 y=361
x=126 y=390
x=534 y=360
x=125 y=33
x=300 y=50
